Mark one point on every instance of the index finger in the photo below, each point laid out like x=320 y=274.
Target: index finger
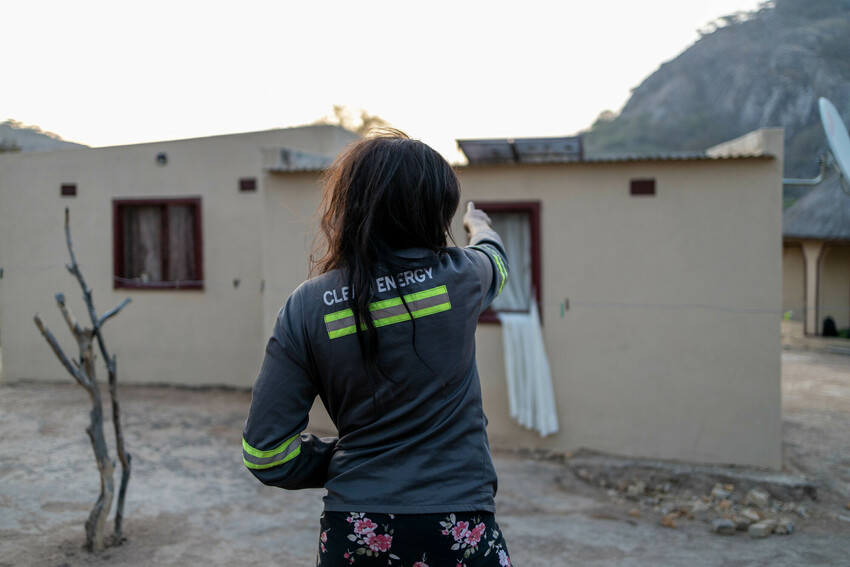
x=470 y=206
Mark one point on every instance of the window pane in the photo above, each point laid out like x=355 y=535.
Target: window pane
x=143 y=243
x=515 y=230
x=181 y=243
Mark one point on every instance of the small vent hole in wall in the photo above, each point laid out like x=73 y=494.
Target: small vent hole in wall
x=248 y=184
x=642 y=187
x=68 y=190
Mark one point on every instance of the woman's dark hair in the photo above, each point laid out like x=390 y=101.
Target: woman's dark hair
x=382 y=193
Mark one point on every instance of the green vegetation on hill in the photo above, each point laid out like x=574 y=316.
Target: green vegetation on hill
x=749 y=70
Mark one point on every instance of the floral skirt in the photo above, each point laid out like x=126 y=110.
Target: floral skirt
x=467 y=539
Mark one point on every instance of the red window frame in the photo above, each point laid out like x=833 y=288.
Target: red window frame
x=532 y=209
x=120 y=281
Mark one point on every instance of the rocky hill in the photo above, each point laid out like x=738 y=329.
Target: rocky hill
x=15 y=137
x=761 y=69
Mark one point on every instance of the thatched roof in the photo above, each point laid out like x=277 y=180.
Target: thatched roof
x=822 y=214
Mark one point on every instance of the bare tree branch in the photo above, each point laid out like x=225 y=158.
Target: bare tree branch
x=76 y=330
x=74 y=369
x=111 y=313
x=74 y=268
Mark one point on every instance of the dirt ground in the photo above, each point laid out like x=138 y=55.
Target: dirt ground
x=191 y=502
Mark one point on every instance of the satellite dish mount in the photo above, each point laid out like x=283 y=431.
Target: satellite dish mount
x=839 y=145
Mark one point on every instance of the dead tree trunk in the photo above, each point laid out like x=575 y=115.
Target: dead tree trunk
x=83 y=371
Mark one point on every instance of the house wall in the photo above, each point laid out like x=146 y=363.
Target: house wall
x=210 y=336
x=659 y=354
x=834 y=292
x=793 y=281
x=664 y=351
x=669 y=348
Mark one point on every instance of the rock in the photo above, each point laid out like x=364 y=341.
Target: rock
x=750 y=514
x=741 y=524
x=669 y=521
x=634 y=513
x=784 y=527
x=636 y=490
x=802 y=511
x=722 y=491
x=762 y=529
x=723 y=526
x=758 y=498
x=700 y=510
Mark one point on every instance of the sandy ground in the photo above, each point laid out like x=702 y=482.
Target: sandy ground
x=191 y=502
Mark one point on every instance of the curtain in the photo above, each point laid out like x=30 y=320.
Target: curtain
x=531 y=399
x=181 y=243
x=143 y=243
x=515 y=230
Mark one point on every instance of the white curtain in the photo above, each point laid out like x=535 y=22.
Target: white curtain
x=531 y=399
x=515 y=230
x=142 y=243
x=181 y=243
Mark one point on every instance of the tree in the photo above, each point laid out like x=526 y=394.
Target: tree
x=83 y=371
x=355 y=120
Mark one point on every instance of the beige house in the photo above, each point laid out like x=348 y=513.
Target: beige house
x=657 y=279
x=816 y=258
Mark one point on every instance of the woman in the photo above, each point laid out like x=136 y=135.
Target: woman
x=409 y=480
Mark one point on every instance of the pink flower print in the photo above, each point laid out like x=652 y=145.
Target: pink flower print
x=349 y=519
x=378 y=542
x=460 y=530
x=420 y=564
x=474 y=535
x=364 y=526
x=346 y=554
x=322 y=545
x=325 y=536
x=504 y=560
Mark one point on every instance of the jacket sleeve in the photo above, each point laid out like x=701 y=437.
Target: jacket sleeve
x=492 y=262
x=275 y=447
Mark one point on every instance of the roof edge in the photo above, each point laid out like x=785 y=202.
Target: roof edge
x=764 y=142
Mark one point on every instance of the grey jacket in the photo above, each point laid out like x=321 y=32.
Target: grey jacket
x=411 y=440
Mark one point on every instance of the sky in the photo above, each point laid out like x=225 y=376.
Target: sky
x=106 y=73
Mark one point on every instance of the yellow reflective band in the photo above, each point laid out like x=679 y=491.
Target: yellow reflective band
x=263 y=454
x=390 y=311
x=342 y=332
x=286 y=451
x=339 y=315
x=503 y=273
x=416 y=314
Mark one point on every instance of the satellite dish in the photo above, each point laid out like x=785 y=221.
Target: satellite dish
x=836 y=134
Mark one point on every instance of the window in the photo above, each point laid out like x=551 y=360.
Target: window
x=157 y=243
x=518 y=223
x=68 y=190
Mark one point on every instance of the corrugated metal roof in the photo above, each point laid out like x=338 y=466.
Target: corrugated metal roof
x=822 y=214
x=563 y=149
x=570 y=150
x=671 y=156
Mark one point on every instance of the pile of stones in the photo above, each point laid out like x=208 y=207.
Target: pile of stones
x=756 y=513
